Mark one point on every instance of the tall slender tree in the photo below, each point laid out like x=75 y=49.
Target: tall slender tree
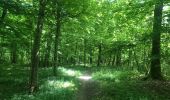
x=4 y=13
x=48 y=50
x=36 y=47
x=99 y=61
x=155 y=68
x=57 y=35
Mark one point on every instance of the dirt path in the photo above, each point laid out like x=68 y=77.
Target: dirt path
x=87 y=90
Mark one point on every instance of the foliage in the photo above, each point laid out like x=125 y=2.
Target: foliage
x=111 y=39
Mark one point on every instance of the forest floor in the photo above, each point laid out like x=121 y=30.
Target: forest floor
x=88 y=88
x=78 y=83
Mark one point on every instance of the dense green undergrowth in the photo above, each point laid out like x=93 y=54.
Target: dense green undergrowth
x=128 y=85
x=114 y=84
x=14 y=83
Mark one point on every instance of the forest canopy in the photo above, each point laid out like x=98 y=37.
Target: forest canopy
x=117 y=34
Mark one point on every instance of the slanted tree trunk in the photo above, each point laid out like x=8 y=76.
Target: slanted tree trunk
x=57 y=36
x=155 y=68
x=36 y=47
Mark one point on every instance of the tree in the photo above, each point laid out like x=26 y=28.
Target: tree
x=36 y=47
x=155 y=68
x=48 y=50
x=4 y=13
x=57 y=35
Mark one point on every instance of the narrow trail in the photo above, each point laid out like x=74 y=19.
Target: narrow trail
x=88 y=89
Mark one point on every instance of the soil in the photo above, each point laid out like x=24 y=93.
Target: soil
x=88 y=89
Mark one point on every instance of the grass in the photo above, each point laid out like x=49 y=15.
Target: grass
x=127 y=85
x=14 y=82
x=113 y=84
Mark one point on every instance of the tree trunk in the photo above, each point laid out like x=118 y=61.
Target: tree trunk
x=155 y=68
x=85 y=52
x=91 y=56
x=48 y=50
x=99 y=54
x=136 y=60
x=118 y=57
x=130 y=58
x=113 y=60
x=109 y=59
x=57 y=36
x=36 y=47
x=4 y=13
x=75 y=54
x=13 y=53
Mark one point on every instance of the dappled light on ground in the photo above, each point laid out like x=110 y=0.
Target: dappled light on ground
x=115 y=75
x=127 y=85
x=53 y=88
x=85 y=77
x=106 y=74
x=69 y=72
x=60 y=84
x=71 y=83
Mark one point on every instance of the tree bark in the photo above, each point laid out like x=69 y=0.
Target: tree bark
x=75 y=54
x=113 y=60
x=85 y=52
x=99 y=54
x=91 y=56
x=136 y=60
x=130 y=58
x=48 y=50
x=4 y=13
x=118 y=57
x=155 y=68
x=13 y=52
x=109 y=60
x=36 y=47
x=57 y=36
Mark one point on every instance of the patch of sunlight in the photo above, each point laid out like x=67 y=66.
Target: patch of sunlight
x=168 y=45
x=69 y=72
x=60 y=84
x=9 y=69
x=166 y=8
x=86 y=77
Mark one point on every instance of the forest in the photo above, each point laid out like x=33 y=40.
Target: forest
x=84 y=49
